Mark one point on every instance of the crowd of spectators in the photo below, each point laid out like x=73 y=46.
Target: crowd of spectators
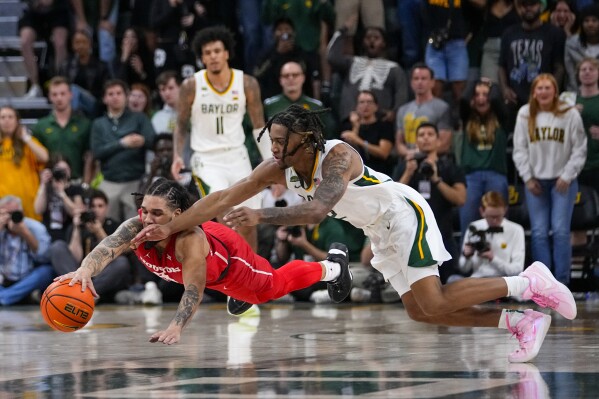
x=437 y=94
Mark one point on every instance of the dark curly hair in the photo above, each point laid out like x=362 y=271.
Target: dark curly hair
x=218 y=33
x=175 y=194
x=299 y=120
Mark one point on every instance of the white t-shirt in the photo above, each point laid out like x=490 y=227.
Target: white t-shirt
x=508 y=251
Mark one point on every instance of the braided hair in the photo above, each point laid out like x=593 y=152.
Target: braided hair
x=175 y=195
x=299 y=120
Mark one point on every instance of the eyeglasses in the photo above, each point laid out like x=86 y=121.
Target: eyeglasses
x=291 y=75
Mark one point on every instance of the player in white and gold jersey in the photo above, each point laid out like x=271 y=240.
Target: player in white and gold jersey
x=406 y=241
x=215 y=101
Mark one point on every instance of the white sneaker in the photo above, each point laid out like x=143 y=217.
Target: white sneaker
x=127 y=297
x=321 y=296
x=360 y=295
x=151 y=295
x=35 y=91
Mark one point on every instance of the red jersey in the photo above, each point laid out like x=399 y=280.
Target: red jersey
x=247 y=277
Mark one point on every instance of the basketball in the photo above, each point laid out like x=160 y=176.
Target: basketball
x=66 y=308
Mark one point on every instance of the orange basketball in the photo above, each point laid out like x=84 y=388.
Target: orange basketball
x=66 y=308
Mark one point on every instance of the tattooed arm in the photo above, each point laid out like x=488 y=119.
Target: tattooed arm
x=104 y=253
x=191 y=250
x=186 y=96
x=339 y=166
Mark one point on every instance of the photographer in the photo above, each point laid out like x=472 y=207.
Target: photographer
x=24 y=242
x=493 y=246
x=56 y=199
x=88 y=229
x=440 y=181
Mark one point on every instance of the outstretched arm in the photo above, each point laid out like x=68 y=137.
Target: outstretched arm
x=338 y=168
x=192 y=249
x=216 y=203
x=104 y=253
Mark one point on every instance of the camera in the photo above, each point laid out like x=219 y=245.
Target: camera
x=478 y=238
x=285 y=36
x=17 y=216
x=59 y=174
x=425 y=169
x=88 y=216
x=295 y=231
x=438 y=38
x=280 y=203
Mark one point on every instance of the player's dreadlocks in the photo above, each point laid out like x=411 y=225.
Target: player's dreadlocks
x=299 y=120
x=175 y=194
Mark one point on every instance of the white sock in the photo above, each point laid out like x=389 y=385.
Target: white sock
x=514 y=315
x=332 y=270
x=516 y=285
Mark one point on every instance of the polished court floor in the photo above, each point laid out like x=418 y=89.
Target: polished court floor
x=290 y=351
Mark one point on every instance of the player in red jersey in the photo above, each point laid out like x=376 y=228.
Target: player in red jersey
x=211 y=255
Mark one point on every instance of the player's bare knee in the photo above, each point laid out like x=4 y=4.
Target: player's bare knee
x=417 y=314
x=433 y=307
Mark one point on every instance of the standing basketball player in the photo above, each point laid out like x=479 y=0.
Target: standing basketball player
x=215 y=101
x=405 y=239
x=211 y=255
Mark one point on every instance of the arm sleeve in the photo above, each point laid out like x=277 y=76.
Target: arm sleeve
x=101 y=146
x=520 y=154
x=43 y=241
x=465 y=265
x=147 y=130
x=570 y=63
x=335 y=55
x=579 y=147
x=515 y=264
x=401 y=88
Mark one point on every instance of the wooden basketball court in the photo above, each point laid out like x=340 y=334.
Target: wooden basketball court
x=291 y=351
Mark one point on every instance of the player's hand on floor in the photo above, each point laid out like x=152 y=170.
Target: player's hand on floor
x=168 y=337
x=242 y=216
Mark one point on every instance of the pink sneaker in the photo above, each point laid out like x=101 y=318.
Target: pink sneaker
x=530 y=382
x=546 y=291
x=530 y=331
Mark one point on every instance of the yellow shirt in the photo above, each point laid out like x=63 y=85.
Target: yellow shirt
x=22 y=180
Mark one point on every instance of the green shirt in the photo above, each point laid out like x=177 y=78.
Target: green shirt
x=281 y=102
x=72 y=140
x=118 y=163
x=306 y=16
x=485 y=156
x=332 y=230
x=590 y=117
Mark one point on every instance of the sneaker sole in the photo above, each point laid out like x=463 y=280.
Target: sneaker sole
x=538 y=343
x=569 y=310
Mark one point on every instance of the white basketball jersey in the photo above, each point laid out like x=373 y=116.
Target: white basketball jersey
x=367 y=197
x=216 y=117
